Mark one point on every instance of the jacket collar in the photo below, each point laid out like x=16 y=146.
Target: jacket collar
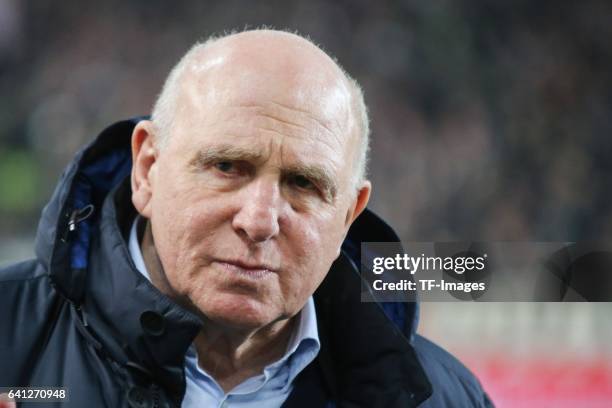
x=137 y=324
x=366 y=360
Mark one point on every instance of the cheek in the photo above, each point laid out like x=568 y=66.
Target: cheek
x=316 y=248
x=326 y=235
x=186 y=224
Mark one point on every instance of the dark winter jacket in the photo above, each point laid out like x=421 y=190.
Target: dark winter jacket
x=80 y=315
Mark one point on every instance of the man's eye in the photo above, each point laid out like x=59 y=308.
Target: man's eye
x=225 y=166
x=303 y=182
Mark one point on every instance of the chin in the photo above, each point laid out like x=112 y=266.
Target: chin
x=237 y=312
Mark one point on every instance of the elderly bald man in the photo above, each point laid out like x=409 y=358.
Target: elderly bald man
x=206 y=257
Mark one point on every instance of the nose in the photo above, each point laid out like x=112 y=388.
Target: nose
x=258 y=216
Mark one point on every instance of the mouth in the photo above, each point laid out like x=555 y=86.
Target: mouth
x=251 y=271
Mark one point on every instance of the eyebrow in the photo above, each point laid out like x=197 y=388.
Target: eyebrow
x=320 y=176
x=225 y=152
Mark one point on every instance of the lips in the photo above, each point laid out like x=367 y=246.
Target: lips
x=247 y=270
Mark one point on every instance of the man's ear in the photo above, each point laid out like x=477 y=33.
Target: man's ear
x=357 y=206
x=144 y=157
x=359 y=203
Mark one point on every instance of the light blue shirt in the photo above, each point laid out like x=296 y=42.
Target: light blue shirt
x=268 y=389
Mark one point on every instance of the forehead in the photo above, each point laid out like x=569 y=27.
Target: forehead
x=308 y=109
x=318 y=94
x=270 y=130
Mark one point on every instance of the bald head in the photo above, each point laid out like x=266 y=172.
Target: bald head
x=283 y=68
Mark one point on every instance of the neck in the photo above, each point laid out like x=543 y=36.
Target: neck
x=230 y=355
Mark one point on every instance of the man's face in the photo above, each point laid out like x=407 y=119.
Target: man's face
x=250 y=199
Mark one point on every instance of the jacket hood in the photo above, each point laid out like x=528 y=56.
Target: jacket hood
x=98 y=168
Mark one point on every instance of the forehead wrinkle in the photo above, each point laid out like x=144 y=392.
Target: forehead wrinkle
x=320 y=142
x=234 y=119
x=284 y=122
x=308 y=115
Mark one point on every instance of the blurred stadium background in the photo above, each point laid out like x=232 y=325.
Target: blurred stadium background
x=490 y=121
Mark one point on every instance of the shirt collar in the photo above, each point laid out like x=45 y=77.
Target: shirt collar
x=135 y=252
